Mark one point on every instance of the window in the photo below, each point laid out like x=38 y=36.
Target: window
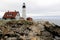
x=10 y=15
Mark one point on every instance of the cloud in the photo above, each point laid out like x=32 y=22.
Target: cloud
x=32 y=6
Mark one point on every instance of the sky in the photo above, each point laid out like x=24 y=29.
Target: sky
x=33 y=7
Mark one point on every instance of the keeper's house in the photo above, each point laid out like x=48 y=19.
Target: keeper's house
x=12 y=15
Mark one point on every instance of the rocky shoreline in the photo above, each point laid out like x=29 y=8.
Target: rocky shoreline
x=28 y=30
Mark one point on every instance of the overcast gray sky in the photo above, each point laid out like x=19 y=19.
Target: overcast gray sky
x=33 y=7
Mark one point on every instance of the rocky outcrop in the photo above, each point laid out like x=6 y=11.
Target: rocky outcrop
x=29 y=30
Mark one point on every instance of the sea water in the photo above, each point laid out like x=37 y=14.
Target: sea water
x=53 y=19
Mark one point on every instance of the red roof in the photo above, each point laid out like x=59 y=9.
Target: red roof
x=10 y=14
x=29 y=18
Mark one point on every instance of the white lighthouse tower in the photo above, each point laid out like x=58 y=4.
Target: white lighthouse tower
x=24 y=11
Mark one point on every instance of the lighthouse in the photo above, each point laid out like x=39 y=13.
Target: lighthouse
x=24 y=11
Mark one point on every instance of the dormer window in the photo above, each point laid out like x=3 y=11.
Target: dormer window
x=10 y=15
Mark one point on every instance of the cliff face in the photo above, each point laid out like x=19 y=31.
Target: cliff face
x=30 y=30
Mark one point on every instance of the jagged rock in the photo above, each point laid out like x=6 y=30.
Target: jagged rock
x=29 y=30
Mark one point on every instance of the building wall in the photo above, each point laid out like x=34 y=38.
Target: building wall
x=17 y=16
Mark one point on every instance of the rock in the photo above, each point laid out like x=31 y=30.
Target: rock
x=33 y=38
x=30 y=30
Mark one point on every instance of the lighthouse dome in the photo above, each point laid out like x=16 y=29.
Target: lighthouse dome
x=24 y=5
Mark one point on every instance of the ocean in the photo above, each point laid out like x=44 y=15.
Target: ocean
x=53 y=19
